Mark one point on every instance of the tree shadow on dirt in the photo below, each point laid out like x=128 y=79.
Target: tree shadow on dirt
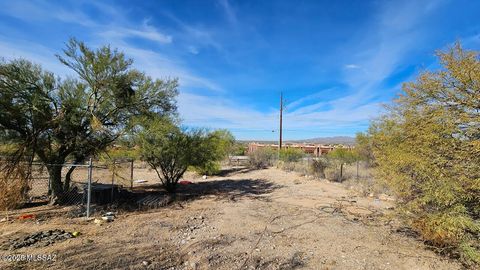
x=235 y=170
x=227 y=189
x=153 y=196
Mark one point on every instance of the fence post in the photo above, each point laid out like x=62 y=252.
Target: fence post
x=131 y=173
x=89 y=187
x=357 y=169
x=113 y=177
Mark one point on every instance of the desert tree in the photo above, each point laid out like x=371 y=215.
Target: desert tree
x=56 y=120
x=171 y=150
x=427 y=147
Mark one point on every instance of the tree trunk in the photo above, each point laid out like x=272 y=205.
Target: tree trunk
x=171 y=186
x=55 y=178
x=68 y=178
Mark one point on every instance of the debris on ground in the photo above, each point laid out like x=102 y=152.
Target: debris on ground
x=155 y=200
x=38 y=239
x=140 y=181
x=185 y=182
x=108 y=217
x=99 y=221
x=27 y=216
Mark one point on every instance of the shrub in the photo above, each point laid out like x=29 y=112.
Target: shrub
x=291 y=154
x=219 y=143
x=317 y=167
x=262 y=158
x=239 y=149
x=427 y=150
x=170 y=150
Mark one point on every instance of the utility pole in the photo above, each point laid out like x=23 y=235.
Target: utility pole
x=281 y=115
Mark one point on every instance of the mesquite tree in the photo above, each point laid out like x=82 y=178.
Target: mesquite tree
x=56 y=120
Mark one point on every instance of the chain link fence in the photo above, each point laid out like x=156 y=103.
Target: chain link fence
x=94 y=182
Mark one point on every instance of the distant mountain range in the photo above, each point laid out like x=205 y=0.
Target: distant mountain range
x=329 y=140
x=323 y=140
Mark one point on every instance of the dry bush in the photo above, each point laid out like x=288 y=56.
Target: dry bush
x=13 y=186
x=332 y=173
x=317 y=168
x=311 y=167
x=262 y=158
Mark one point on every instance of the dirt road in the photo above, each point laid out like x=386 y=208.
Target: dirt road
x=263 y=219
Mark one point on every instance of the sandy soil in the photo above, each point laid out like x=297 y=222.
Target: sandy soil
x=262 y=219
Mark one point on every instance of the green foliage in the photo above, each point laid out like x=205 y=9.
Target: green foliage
x=343 y=155
x=209 y=168
x=291 y=154
x=220 y=143
x=170 y=150
x=428 y=151
x=8 y=149
x=58 y=120
x=116 y=153
x=239 y=149
x=262 y=157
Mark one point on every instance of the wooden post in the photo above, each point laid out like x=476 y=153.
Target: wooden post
x=341 y=171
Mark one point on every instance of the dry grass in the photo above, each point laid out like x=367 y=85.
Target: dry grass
x=13 y=187
x=258 y=219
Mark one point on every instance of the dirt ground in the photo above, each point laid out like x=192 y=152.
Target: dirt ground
x=261 y=219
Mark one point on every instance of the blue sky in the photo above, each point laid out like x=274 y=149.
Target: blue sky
x=335 y=61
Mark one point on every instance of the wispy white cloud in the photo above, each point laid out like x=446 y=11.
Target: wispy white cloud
x=193 y=50
x=229 y=11
x=352 y=66
x=44 y=11
x=117 y=33
x=145 y=31
x=196 y=36
x=218 y=112
x=379 y=56
x=397 y=34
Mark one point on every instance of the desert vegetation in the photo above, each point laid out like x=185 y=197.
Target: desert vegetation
x=170 y=151
x=98 y=113
x=426 y=148
x=53 y=120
